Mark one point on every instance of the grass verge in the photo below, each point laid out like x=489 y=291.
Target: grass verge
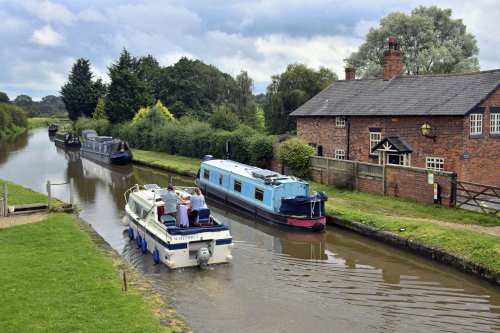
x=62 y=277
x=423 y=223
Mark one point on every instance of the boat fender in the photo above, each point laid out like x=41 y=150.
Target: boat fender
x=156 y=256
x=138 y=240
x=130 y=233
x=144 y=245
x=318 y=227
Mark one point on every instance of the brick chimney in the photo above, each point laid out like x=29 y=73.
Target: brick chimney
x=393 y=60
x=350 y=73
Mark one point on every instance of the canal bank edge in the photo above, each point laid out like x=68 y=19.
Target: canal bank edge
x=417 y=247
x=162 y=305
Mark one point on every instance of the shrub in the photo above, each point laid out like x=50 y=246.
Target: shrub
x=101 y=126
x=261 y=149
x=295 y=154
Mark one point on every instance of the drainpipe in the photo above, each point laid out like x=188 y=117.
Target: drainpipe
x=348 y=134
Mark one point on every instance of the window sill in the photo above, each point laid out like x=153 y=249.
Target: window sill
x=476 y=136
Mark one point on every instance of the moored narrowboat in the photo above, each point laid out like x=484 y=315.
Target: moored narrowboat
x=53 y=128
x=105 y=149
x=265 y=194
x=67 y=139
x=202 y=242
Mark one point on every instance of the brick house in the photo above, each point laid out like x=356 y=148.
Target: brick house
x=439 y=122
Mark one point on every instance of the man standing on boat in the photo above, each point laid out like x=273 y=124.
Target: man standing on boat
x=170 y=201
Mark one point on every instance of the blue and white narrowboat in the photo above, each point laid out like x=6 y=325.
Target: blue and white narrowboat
x=67 y=139
x=265 y=194
x=105 y=149
x=203 y=242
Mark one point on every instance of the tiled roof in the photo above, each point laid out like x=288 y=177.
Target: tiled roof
x=432 y=95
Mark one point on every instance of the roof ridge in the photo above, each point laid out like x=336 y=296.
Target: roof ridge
x=426 y=75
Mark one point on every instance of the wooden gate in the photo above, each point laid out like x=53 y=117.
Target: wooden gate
x=477 y=197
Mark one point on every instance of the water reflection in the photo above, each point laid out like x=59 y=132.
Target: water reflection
x=279 y=281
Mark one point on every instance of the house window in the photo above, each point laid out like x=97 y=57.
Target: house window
x=237 y=186
x=259 y=194
x=340 y=121
x=320 y=151
x=340 y=154
x=495 y=123
x=206 y=173
x=434 y=163
x=476 y=124
x=375 y=138
x=395 y=159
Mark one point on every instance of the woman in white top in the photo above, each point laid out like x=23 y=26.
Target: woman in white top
x=197 y=200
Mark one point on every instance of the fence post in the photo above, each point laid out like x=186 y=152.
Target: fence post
x=4 y=203
x=384 y=190
x=454 y=190
x=71 y=200
x=356 y=175
x=48 y=193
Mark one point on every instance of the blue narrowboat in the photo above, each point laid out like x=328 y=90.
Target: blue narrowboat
x=105 y=149
x=265 y=194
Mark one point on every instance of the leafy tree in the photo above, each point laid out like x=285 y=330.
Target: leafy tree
x=81 y=92
x=100 y=112
x=291 y=89
x=4 y=98
x=432 y=41
x=246 y=108
x=27 y=103
x=295 y=154
x=51 y=105
x=224 y=117
x=143 y=112
x=127 y=91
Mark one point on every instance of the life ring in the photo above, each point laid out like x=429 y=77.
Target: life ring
x=144 y=245
x=130 y=233
x=156 y=256
x=138 y=240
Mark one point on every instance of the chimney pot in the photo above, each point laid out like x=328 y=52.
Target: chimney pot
x=391 y=43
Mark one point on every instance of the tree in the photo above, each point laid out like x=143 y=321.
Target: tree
x=80 y=93
x=51 y=105
x=100 y=112
x=246 y=108
x=4 y=98
x=291 y=89
x=223 y=117
x=432 y=41
x=127 y=93
x=143 y=112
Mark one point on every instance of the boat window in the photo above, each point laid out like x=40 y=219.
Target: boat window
x=259 y=194
x=221 y=178
x=237 y=186
x=206 y=173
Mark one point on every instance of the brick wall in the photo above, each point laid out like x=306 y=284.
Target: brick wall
x=475 y=160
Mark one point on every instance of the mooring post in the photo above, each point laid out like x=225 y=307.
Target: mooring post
x=48 y=193
x=4 y=203
x=71 y=182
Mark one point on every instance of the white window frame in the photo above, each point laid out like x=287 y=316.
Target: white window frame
x=434 y=163
x=374 y=141
x=340 y=121
x=494 y=123
x=476 y=124
x=340 y=154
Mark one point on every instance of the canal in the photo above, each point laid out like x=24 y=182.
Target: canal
x=279 y=281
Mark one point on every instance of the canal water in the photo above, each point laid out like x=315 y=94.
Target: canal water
x=279 y=281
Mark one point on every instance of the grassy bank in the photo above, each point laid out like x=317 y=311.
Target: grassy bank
x=431 y=225
x=45 y=122
x=63 y=278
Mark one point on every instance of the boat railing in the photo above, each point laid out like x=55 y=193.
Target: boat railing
x=134 y=188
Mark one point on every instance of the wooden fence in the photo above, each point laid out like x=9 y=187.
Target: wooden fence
x=478 y=197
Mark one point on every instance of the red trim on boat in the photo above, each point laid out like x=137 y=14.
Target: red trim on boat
x=305 y=222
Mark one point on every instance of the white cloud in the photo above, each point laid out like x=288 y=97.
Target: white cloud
x=49 y=12
x=46 y=36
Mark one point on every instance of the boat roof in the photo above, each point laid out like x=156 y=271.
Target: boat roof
x=251 y=172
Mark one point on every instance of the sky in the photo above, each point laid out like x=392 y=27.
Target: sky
x=42 y=39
